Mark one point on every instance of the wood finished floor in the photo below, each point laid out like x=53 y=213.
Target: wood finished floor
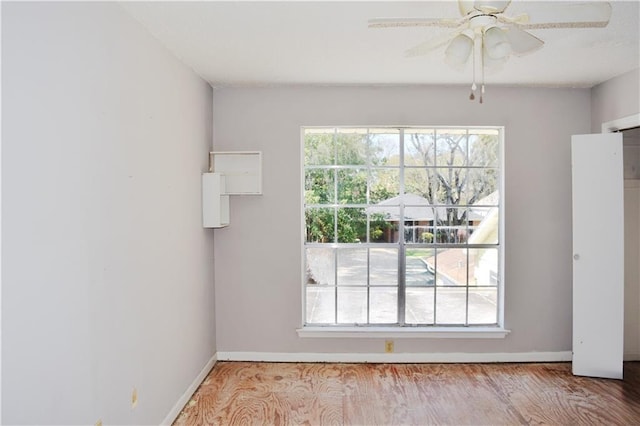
x=248 y=393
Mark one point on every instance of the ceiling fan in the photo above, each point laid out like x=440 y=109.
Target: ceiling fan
x=488 y=34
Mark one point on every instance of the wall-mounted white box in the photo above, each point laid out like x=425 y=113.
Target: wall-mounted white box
x=242 y=170
x=215 y=202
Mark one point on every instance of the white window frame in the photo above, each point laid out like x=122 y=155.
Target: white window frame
x=409 y=331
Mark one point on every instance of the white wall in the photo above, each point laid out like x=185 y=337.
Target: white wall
x=258 y=257
x=107 y=274
x=616 y=98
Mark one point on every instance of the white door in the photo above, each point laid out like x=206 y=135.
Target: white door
x=598 y=255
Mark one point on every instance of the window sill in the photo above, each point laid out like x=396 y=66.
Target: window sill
x=408 y=332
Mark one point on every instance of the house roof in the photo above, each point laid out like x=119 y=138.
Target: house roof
x=416 y=208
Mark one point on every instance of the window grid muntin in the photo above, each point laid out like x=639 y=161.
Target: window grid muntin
x=496 y=165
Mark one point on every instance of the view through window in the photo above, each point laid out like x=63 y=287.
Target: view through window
x=402 y=226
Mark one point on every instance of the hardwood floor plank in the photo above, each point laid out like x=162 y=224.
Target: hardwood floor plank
x=548 y=394
x=464 y=394
x=246 y=393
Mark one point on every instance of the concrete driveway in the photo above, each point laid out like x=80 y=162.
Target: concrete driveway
x=425 y=303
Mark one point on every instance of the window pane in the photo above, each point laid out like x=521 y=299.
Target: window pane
x=383 y=225
x=421 y=182
x=352 y=186
x=451 y=225
x=418 y=209
x=319 y=148
x=418 y=231
x=383 y=305
x=352 y=266
x=483 y=305
x=449 y=186
x=451 y=147
x=352 y=225
x=451 y=305
x=419 y=267
x=351 y=147
x=352 y=305
x=451 y=267
x=484 y=149
x=480 y=184
x=483 y=267
x=319 y=225
x=321 y=266
x=321 y=305
x=319 y=186
x=384 y=185
x=383 y=268
x=419 y=216
x=384 y=148
x=419 y=305
x=419 y=148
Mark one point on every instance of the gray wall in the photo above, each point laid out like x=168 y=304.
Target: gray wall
x=258 y=257
x=616 y=98
x=107 y=274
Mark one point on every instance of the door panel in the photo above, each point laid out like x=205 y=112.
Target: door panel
x=598 y=255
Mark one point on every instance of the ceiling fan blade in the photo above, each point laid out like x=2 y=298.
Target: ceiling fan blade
x=414 y=22
x=430 y=45
x=520 y=20
x=522 y=42
x=568 y=15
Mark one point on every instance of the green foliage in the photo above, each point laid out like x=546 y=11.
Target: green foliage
x=351 y=225
x=319 y=225
x=377 y=227
x=352 y=186
x=319 y=186
x=319 y=149
x=426 y=237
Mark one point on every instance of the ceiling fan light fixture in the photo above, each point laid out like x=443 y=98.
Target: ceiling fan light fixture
x=459 y=50
x=496 y=44
x=493 y=64
x=522 y=42
x=491 y=6
x=466 y=7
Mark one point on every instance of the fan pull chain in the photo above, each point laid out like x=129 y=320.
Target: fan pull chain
x=472 y=96
x=482 y=69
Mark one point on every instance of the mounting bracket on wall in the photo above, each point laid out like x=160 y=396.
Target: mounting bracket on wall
x=230 y=173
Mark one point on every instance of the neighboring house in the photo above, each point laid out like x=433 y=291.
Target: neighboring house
x=419 y=218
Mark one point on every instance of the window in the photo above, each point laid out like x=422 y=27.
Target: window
x=402 y=226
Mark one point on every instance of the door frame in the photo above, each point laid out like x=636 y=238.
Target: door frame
x=623 y=123
x=628 y=122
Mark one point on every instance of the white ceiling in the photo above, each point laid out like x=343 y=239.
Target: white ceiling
x=303 y=42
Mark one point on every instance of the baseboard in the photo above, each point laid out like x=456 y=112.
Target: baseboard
x=456 y=357
x=177 y=408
